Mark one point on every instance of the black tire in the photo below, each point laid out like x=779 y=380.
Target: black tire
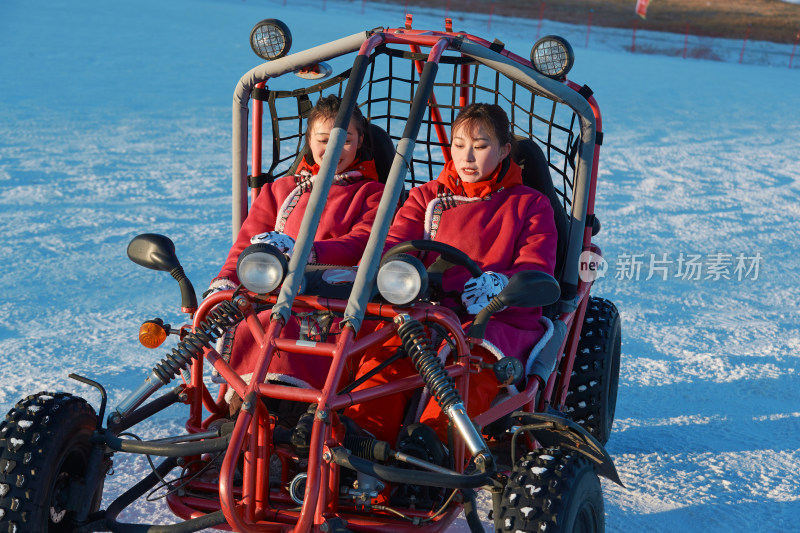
x=592 y=395
x=552 y=491
x=44 y=453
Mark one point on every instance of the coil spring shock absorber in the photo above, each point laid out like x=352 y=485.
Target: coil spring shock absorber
x=225 y=315
x=419 y=347
x=441 y=386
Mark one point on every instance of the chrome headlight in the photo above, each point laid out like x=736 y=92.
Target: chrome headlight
x=552 y=56
x=261 y=268
x=402 y=279
x=270 y=39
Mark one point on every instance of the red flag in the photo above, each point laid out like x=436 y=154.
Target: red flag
x=641 y=8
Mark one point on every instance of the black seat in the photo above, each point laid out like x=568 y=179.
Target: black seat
x=536 y=174
x=377 y=146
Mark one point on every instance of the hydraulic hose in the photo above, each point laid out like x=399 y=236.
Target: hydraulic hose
x=408 y=477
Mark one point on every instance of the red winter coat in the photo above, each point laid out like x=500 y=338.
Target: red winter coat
x=502 y=225
x=343 y=228
x=341 y=237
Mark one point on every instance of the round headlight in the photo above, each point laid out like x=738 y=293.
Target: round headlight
x=270 y=39
x=402 y=279
x=552 y=56
x=261 y=268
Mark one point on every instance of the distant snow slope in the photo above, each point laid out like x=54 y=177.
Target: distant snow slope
x=115 y=120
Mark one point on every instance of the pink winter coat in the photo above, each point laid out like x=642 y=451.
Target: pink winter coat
x=341 y=237
x=344 y=228
x=502 y=225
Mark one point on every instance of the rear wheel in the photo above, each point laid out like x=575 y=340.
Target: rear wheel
x=44 y=455
x=552 y=491
x=592 y=395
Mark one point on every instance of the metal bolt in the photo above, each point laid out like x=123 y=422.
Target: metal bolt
x=183 y=396
x=401 y=319
x=322 y=414
x=326 y=456
x=324 y=527
x=246 y=406
x=241 y=301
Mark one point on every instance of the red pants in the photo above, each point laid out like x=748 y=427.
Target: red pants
x=383 y=417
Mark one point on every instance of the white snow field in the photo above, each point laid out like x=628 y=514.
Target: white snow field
x=115 y=121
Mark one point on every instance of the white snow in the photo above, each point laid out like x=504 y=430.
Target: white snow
x=116 y=121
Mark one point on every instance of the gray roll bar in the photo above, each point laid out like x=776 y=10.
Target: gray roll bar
x=241 y=99
x=368 y=268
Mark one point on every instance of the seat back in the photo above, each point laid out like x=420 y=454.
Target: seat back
x=536 y=174
x=377 y=146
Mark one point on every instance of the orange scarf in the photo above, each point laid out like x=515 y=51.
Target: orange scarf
x=503 y=177
x=367 y=168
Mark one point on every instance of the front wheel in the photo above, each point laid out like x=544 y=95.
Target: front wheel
x=552 y=491
x=44 y=456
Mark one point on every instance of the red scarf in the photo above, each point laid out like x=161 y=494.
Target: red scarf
x=500 y=178
x=367 y=168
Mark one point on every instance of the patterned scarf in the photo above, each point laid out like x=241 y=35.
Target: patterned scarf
x=304 y=183
x=507 y=174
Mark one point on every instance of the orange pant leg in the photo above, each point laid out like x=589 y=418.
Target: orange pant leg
x=382 y=417
x=482 y=390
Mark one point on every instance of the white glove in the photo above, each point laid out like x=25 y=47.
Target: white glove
x=279 y=240
x=225 y=343
x=478 y=292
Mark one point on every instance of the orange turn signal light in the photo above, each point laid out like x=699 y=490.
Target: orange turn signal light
x=152 y=333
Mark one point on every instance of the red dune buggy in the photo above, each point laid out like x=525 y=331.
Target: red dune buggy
x=538 y=450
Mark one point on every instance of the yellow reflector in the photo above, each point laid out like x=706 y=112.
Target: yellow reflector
x=151 y=334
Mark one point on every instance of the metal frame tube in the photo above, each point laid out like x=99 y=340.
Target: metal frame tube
x=365 y=278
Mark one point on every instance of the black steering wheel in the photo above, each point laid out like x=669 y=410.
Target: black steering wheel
x=449 y=256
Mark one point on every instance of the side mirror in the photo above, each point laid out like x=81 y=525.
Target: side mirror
x=530 y=288
x=157 y=252
x=153 y=251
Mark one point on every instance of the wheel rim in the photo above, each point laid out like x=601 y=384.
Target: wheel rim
x=58 y=508
x=70 y=472
x=586 y=519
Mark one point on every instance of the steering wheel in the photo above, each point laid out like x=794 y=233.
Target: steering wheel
x=449 y=256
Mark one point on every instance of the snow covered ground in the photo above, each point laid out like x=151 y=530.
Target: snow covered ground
x=115 y=120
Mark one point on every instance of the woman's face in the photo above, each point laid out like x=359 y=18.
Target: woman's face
x=318 y=141
x=476 y=152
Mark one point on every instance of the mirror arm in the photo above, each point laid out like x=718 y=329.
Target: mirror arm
x=478 y=328
x=188 y=296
